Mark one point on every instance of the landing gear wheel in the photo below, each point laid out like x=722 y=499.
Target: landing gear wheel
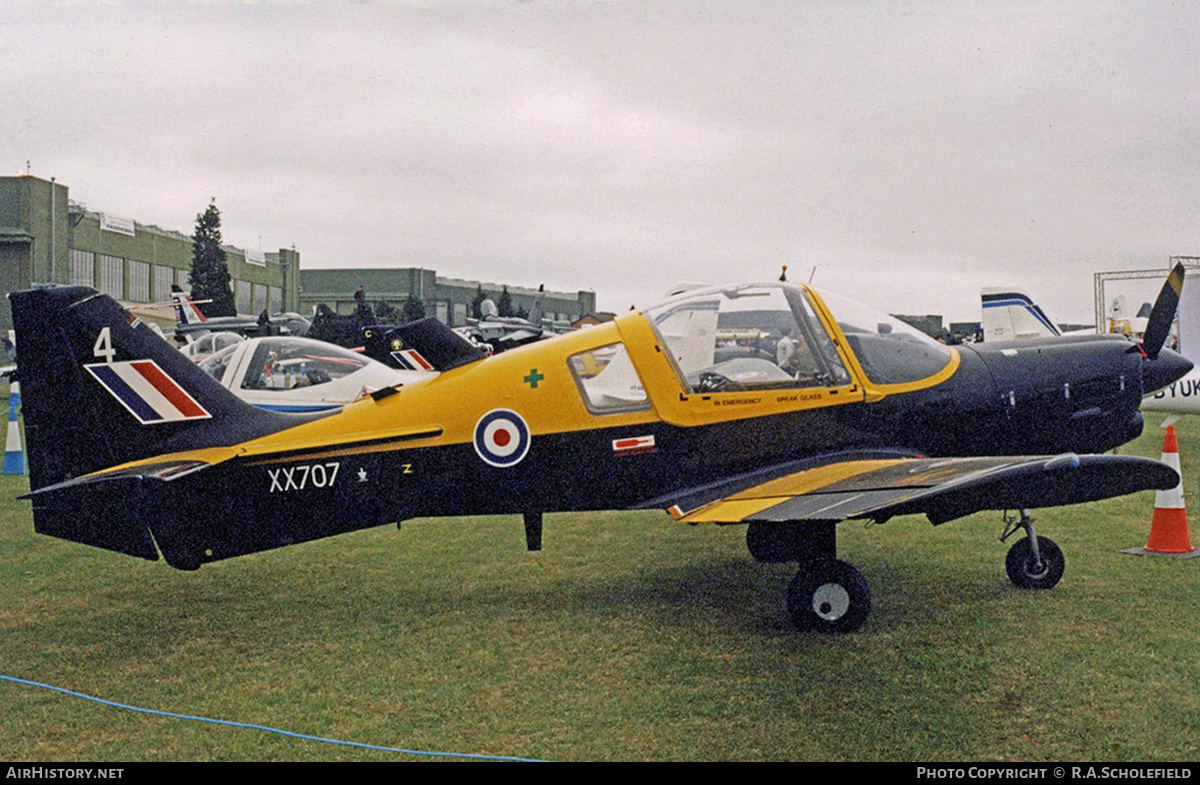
x=829 y=596
x=1028 y=571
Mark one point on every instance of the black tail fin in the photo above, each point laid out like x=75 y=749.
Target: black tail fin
x=437 y=347
x=101 y=388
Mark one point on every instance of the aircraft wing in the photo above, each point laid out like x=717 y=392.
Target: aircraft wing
x=941 y=488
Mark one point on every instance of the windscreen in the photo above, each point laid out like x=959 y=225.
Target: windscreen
x=889 y=351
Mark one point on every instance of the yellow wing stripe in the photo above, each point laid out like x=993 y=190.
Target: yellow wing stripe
x=296 y=449
x=812 y=480
x=744 y=504
x=731 y=510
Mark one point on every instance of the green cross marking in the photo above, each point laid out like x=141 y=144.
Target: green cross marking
x=533 y=378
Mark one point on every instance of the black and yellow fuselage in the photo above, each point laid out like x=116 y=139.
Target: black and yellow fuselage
x=517 y=433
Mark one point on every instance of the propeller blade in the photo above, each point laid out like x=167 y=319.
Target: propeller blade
x=1158 y=327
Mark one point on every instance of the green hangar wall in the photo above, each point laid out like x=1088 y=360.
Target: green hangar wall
x=47 y=238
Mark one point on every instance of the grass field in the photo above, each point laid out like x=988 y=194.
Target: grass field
x=630 y=637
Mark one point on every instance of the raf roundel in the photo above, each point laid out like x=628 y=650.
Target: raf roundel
x=501 y=438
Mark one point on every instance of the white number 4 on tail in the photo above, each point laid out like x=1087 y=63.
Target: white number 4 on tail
x=104 y=348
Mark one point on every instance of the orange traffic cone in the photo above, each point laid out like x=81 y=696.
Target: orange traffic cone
x=1168 y=529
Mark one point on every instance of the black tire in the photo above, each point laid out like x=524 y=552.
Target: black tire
x=1025 y=572
x=829 y=596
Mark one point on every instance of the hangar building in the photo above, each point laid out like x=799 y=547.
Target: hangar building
x=48 y=238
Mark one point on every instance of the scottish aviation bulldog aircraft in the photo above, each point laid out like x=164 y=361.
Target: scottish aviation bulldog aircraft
x=134 y=449
x=190 y=323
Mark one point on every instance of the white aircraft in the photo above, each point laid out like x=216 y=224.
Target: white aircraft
x=1009 y=314
x=289 y=374
x=1181 y=397
x=200 y=348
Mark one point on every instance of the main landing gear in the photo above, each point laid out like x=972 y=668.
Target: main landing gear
x=1033 y=562
x=827 y=595
x=830 y=595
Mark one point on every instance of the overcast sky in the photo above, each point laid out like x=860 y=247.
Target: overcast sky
x=909 y=152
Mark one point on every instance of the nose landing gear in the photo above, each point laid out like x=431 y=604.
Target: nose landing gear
x=1033 y=562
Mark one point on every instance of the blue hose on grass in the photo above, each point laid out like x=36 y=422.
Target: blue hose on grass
x=264 y=727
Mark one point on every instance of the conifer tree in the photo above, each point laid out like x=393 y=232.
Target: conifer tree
x=209 y=276
x=504 y=306
x=477 y=303
x=413 y=309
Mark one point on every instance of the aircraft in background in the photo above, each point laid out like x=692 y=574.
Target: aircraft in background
x=190 y=323
x=1010 y=314
x=289 y=374
x=211 y=343
x=495 y=333
x=441 y=348
x=869 y=420
x=1119 y=320
x=1179 y=397
x=387 y=343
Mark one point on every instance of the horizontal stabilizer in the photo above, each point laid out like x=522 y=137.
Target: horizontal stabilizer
x=114 y=510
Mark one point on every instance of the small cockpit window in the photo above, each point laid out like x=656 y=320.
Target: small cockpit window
x=608 y=381
x=217 y=364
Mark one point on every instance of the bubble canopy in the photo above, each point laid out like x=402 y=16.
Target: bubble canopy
x=773 y=335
